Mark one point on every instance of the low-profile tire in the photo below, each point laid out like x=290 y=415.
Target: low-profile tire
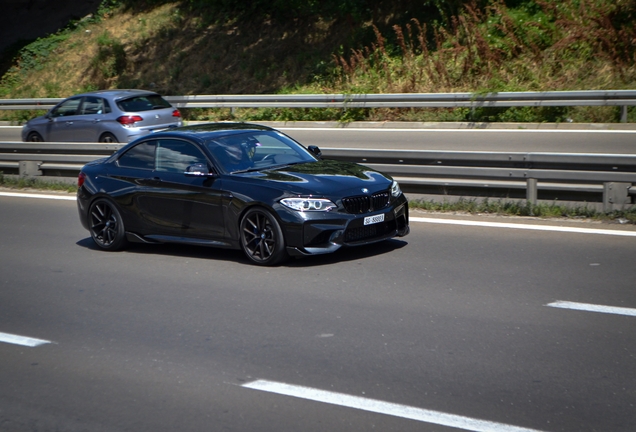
x=34 y=137
x=262 y=238
x=106 y=225
x=108 y=138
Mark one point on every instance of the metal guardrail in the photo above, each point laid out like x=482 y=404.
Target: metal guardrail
x=622 y=98
x=609 y=176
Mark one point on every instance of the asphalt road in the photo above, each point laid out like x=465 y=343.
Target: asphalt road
x=560 y=141
x=445 y=329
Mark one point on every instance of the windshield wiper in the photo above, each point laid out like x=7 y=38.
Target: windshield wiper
x=286 y=165
x=245 y=170
x=268 y=168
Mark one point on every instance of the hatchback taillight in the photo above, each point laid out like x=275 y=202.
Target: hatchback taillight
x=129 y=119
x=176 y=113
x=80 y=179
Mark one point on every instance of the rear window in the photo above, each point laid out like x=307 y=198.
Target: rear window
x=143 y=103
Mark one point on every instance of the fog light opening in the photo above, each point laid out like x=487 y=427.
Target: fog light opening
x=336 y=237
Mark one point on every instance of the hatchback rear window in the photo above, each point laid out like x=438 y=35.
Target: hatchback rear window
x=143 y=103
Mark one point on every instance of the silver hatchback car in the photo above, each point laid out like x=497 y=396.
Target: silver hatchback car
x=104 y=116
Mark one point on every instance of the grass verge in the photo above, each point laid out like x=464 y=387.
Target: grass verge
x=524 y=208
x=15 y=182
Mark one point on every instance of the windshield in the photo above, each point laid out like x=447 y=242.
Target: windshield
x=257 y=150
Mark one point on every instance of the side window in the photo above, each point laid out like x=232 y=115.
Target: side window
x=66 y=108
x=141 y=156
x=176 y=155
x=92 y=105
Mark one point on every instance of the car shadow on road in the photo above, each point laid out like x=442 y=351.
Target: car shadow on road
x=174 y=249
x=348 y=254
x=231 y=255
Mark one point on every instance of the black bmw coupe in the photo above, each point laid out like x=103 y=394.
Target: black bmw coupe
x=240 y=186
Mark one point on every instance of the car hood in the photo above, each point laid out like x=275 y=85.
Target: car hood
x=36 y=120
x=325 y=177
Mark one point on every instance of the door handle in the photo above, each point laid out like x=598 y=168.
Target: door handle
x=148 y=181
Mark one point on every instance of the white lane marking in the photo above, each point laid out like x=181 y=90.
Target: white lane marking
x=21 y=340
x=415 y=130
x=524 y=226
x=593 y=308
x=40 y=196
x=415 y=219
x=376 y=406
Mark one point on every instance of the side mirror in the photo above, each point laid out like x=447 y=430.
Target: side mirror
x=198 y=170
x=315 y=151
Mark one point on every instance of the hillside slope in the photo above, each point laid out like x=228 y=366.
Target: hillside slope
x=182 y=48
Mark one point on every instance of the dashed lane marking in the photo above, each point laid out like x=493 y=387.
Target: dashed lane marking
x=21 y=340
x=593 y=308
x=380 y=407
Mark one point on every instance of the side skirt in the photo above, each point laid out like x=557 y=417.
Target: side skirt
x=158 y=239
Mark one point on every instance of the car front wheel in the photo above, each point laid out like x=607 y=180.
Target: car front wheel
x=262 y=238
x=34 y=137
x=106 y=225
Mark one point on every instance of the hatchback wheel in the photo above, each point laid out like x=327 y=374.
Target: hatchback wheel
x=108 y=138
x=106 y=225
x=34 y=137
x=262 y=238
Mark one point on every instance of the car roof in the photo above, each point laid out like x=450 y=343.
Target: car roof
x=117 y=93
x=206 y=131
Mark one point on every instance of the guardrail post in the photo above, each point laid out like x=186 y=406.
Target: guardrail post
x=30 y=168
x=624 y=114
x=531 y=191
x=615 y=196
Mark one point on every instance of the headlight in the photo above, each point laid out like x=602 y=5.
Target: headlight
x=308 y=204
x=395 y=189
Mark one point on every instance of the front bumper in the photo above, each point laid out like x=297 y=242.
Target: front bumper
x=322 y=233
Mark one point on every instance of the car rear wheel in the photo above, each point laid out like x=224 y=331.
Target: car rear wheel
x=262 y=238
x=106 y=225
x=34 y=137
x=108 y=138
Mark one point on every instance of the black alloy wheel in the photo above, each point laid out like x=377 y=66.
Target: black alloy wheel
x=106 y=225
x=262 y=238
x=34 y=137
x=108 y=138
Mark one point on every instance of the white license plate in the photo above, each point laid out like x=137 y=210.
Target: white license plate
x=370 y=220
